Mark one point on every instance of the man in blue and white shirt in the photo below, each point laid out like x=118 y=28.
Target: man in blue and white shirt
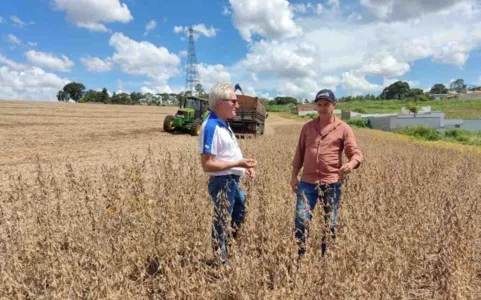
x=222 y=159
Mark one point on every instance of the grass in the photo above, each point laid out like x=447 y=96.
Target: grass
x=278 y=108
x=465 y=137
x=465 y=109
x=98 y=202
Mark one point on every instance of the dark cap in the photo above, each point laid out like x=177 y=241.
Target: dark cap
x=325 y=94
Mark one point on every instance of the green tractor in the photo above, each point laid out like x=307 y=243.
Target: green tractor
x=192 y=112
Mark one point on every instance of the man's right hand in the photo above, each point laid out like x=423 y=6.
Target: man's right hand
x=294 y=184
x=247 y=163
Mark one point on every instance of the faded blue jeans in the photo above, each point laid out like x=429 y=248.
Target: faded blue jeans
x=329 y=195
x=229 y=200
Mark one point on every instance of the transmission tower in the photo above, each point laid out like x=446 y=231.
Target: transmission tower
x=192 y=73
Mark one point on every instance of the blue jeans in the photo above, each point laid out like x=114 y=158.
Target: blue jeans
x=330 y=197
x=229 y=200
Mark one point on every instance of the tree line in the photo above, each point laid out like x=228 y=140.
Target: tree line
x=401 y=90
x=398 y=90
x=76 y=91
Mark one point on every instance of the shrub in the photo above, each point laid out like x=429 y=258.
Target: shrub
x=359 y=122
x=422 y=132
x=359 y=110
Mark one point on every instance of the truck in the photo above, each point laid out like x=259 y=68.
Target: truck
x=250 y=117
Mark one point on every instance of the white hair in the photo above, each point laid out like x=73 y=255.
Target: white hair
x=219 y=91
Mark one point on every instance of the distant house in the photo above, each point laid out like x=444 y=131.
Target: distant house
x=425 y=117
x=431 y=119
x=305 y=109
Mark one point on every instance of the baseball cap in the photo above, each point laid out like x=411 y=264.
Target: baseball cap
x=325 y=94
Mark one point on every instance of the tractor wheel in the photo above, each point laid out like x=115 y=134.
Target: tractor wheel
x=262 y=129
x=195 y=129
x=169 y=123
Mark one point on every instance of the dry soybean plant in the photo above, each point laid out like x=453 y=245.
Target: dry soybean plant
x=138 y=227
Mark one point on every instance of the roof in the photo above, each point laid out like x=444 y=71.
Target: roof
x=306 y=107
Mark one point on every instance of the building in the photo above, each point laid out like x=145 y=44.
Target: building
x=307 y=109
x=426 y=117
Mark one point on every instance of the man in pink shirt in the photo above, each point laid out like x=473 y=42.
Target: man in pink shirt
x=319 y=152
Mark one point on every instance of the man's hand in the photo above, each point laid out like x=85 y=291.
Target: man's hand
x=346 y=169
x=251 y=173
x=294 y=184
x=247 y=163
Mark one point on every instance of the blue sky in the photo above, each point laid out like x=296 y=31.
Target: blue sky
x=273 y=47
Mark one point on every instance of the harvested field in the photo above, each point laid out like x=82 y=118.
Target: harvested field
x=97 y=202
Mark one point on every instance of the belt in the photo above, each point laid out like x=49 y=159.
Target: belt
x=227 y=176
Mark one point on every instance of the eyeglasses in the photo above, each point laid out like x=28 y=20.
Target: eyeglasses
x=233 y=101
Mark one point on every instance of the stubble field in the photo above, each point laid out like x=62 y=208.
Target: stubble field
x=96 y=202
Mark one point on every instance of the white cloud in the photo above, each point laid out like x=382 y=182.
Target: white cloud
x=226 y=11
x=17 y=22
x=23 y=82
x=406 y=9
x=198 y=29
x=212 y=74
x=183 y=53
x=453 y=53
x=12 y=65
x=143 y=58
x=389 y=81
x=384 y=65
x=354 y=16
x=91 y=14
x=150 y=87
x=355 y=49
x=1 y=20
x=95 y=64
x=268 y=18
x=286 y=60
x=48 y=60
x=333 y=3
x=150 y=26
x=14 y=40
x=355 y=84
x=300 y=8
x=178 y=29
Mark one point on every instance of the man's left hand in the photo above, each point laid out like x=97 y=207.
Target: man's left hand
x=251 y=173
x=345 y=169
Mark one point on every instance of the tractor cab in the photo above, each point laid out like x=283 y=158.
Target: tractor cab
x=193 y=108
x=192 y=111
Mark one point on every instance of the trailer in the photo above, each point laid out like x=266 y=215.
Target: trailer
x=250 y=117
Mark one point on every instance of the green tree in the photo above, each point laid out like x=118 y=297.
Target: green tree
x=135 y=96
x=104 y=96
x=285 y=100
x=457 y=85
x=438 y=88
x=62 y=96
x=413 y=107
x=200 y=90
x=91 y=96
x=122 y=98
x=397 y=90
x=74 y=90
x=415 y=94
